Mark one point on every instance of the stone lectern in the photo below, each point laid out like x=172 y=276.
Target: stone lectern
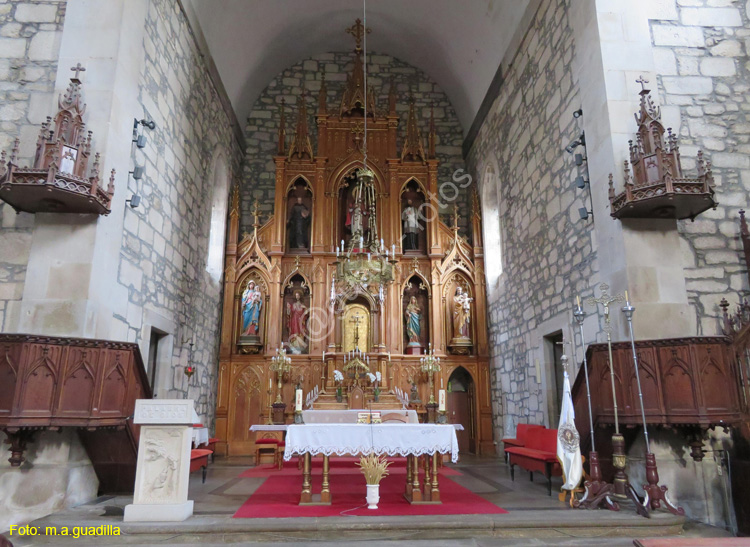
x=163 y=468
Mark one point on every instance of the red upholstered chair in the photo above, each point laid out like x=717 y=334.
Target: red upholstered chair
x=199 y=460
x=519 y=439
x=266 y=445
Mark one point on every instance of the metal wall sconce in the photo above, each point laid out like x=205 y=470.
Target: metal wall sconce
x=137 y=172
x=141 y=140
x=581 y=161
x=134 y=202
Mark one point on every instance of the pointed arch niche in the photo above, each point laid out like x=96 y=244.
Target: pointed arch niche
x=415 y=304
x=251 y=301
x=461 y=408
x=295 y=316
x=412 y=210
x=299 y=206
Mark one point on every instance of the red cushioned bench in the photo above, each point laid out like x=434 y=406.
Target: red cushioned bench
x=519 y=439
x=211 y=445
x=199 y=460
x=538 y=454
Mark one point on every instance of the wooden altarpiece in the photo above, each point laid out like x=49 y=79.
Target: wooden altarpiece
x=315 y=181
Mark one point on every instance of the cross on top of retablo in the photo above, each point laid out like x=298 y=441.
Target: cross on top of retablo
x=77 y=69
x=358 y=31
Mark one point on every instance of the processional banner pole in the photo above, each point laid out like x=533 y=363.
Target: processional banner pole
x=623 y=490
x=597 y=491
x=655 y=494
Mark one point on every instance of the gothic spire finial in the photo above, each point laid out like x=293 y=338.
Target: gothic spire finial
x=413 y=147
x=432 y=134
x=281 y=144
x=301 y=144
x=322 y=99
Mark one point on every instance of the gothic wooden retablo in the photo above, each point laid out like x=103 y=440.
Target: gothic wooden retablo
x=57 y=181
x=406 y=266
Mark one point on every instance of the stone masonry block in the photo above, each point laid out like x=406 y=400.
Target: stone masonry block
x=711 y=17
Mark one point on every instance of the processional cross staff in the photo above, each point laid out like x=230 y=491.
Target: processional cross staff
x=623 y=490
x=597 y=491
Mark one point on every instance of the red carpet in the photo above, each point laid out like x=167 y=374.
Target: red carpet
x=278 y=496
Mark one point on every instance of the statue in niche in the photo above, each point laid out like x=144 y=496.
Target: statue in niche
x=413 y=316
x=252 y=302
x=410 y=218
x=297 y=225
x=296 y=323
x=461 y=314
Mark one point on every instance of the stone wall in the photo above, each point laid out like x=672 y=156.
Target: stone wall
x=29 y=45
x=165 y=241
x=700 y=50
x=548 y=254
x=61 y=476
x=263 y=122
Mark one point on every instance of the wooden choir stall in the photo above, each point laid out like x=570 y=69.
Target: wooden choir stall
x=355 y=277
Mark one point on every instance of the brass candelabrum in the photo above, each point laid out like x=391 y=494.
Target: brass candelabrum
x=430 y=365
x=281 y=364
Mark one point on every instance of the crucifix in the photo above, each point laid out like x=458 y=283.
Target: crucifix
x=355 y=321
x=643 y=81
x=358 y=31
x=78 y=68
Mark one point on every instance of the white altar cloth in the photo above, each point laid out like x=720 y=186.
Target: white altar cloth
x=391 y=439
x=200 y=436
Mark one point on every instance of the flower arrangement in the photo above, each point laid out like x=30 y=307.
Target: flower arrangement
x=374 y=468
x=375 y=381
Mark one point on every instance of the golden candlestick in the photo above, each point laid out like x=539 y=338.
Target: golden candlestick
x=281 y=364
x=430 y=364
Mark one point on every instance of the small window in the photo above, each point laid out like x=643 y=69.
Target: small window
x=217 y=233
x=492 y=227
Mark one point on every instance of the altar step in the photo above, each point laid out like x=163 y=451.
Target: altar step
x=551 y=526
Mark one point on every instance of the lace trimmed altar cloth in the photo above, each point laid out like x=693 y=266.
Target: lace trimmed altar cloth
x=381 y=439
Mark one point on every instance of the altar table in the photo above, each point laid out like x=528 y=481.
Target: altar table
x=397 y=439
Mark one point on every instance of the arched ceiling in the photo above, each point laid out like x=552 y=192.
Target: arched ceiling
x=460 y=44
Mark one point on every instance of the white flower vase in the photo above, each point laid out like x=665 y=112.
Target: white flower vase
x=373 y=496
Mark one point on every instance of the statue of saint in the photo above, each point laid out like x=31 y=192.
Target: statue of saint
x=357 y=219
x=299 y=220
x=413 y=315
x=296 y=323
x=252 y=301
x=410 y=218
x=461 y=313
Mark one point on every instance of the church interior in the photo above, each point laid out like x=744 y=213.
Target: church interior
x=246 y=244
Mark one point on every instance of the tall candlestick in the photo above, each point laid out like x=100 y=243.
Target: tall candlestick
x=393 y=247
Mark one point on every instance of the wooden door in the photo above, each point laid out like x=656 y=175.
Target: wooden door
x=459 y=412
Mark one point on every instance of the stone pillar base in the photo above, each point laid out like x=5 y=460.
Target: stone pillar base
x=172 y=512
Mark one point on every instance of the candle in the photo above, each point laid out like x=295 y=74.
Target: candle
x=361 y=243
x=393 y=247
x=441 y=400
x=441 y=382
x=298 y=401
x=368 y=257
x=627 y=300
x=578 y=301
x=270 y=383
x=337 y=251
x=342 y=244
